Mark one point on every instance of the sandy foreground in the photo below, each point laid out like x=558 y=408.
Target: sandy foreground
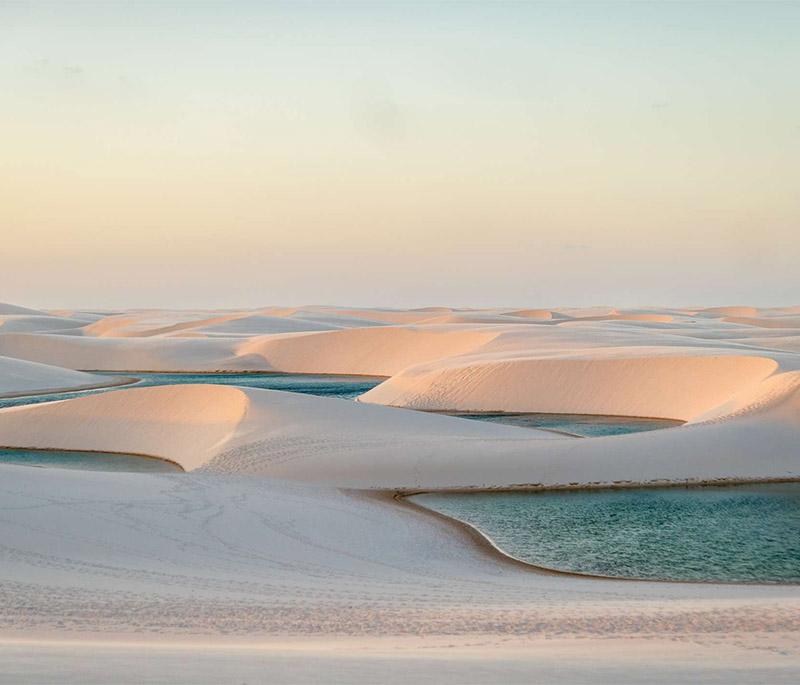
x=280 y=556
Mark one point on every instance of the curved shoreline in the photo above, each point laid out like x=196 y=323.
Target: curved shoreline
x=140 y=455
x=243 y=372
x=487 y=544
x=601 y=485
x=63 y=391
x=500 y=412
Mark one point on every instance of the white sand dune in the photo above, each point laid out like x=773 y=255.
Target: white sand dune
x=149 y=323
x=380 y=351
x=733 y=311
x=478 y=318
x=19 y=377
x=216 y=561
x=543 y=314
x=652 y=318
x=24 y=323
x=281 y=536
x=6 y=308
x=257 y=324
x=127 y=353
x=393 y=316
x=187 y=424
x=659 y=386
x=764 y=322
x=354 y=445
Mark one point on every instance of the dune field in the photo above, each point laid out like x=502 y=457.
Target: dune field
x=282 y=545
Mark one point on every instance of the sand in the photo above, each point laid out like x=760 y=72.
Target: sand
x=20 y=378
x=279 y=557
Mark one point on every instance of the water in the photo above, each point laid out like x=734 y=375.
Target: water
x=87 y=461
x=350 y=387
x=347 y=387
x=330 y=386
x=585 y=425
x=744 y=533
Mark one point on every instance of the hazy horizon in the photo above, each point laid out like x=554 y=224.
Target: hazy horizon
x=181 y=155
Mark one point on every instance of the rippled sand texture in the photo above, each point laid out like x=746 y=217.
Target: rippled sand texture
x=280 y=532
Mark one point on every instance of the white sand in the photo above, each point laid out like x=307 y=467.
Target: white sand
x=13 y=309
x=256 y=558
x=20 y=378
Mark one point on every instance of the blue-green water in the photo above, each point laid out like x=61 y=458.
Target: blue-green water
x=743 y=533
x=329 y=386
x=347 y=387
x=585 y=425
x=87 y=461
x=350 y=387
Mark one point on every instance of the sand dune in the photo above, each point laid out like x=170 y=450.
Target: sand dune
x=23 y=323
x=281 y=529
x=543 y=314
x=6 y=308
x=112 y=326
x=584 y=312
x=125 y=353
x=476 y=318
x=370 y=351
x=19 y=377
x=393 y=316
x=257 y=324
x=677 y=387
x=194 y=424
x=187 y=424
x=764 y=322
x=151 y=323
x=198 y=559
x=652 y=318
x=338 y=442
x=728 y=311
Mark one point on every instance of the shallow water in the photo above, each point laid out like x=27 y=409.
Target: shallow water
x=350 y=387
x=748 y=533
x=330 y=386
x=86 y=461
x=347 y=387
x=585 y=425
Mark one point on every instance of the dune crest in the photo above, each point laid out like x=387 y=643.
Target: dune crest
x=675 y=387
x=187 y=424
x=357 y=445
x=12 y=309
x=284 y=527
x=20 y=377
x=722 y=312
x=379 y=351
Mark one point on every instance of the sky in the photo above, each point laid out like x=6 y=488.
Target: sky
x=238 y=154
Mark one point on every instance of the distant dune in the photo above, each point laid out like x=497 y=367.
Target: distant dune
x=283 y=535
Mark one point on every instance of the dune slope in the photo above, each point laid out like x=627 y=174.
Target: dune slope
x=282 y=536
x=19 y=377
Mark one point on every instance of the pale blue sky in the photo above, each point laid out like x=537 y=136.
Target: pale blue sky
x=229 y=154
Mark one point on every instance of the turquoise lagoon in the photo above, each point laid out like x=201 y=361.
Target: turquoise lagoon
x=86 y=461
x=741 y=533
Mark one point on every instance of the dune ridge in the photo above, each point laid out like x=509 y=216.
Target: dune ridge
x=674 y=387
x=357 y=445
x=283 y=530
x=19 y=377
x=187 y=424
